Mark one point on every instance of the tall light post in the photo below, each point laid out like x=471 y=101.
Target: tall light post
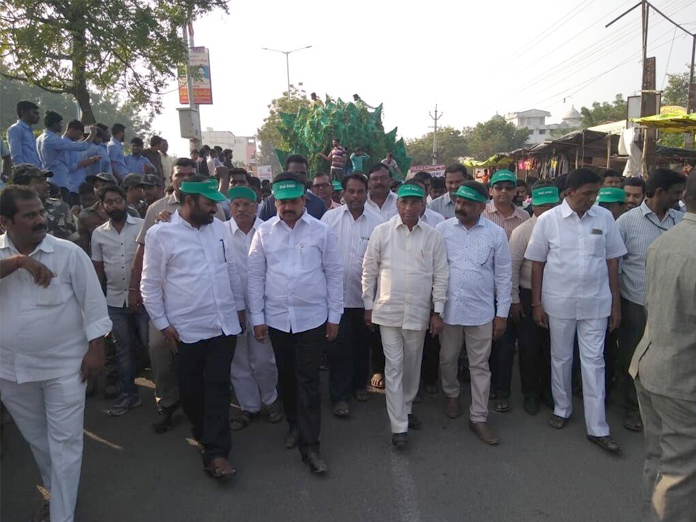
x=287 y=59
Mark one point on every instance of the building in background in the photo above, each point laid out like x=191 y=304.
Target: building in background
x=243 y=147
x=535 y=121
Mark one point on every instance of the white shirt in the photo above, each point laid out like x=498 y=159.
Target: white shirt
x=388 y=209
x=352 y=236
x=480 y=272
x=295 y=275
x=190 y=280
x=521 y=267
x=575 y=250
x=116 y=250
x=45 y=332
x=443 y=205
x=403 y=272
x=240 y=243
x=432 y=218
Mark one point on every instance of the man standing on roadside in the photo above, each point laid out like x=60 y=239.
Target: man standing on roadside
x=478 y=302
x=575 y=250
x=635 y=192
x=664 y=369
x=153 y=155
x=639 y=228
x=136 y=163
x=296 y=298
x=115 y=150
x=455 y=175
x=404 y=271
x=20 y=136
x=337 y=157
x=380 y=198
x=51 y=282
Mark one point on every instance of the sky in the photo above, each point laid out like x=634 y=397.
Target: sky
x=472 y=59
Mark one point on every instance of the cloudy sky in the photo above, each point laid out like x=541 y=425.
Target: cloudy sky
x=471 y=58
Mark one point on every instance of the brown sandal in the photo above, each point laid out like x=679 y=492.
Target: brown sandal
x=377 y=381
x=219 y=468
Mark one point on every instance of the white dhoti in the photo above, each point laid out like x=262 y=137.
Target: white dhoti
x=254 y=372
x=591 y=334
x=50 y=416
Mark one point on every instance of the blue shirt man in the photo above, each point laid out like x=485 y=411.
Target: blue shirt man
x=54 y=150
x=138 y=164
x=20 y=136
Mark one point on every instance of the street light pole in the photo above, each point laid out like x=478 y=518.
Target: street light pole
x=287 y=59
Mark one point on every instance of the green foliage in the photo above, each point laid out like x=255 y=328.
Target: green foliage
x=309 y=132
x=604 y=112
x=677 y=90
x=106 y=109
x=89 y=45
x=493 y=136
x=451 y=145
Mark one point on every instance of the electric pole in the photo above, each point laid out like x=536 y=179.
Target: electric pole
x=196 y=143
x=434 y=127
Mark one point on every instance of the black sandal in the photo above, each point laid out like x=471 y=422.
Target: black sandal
x=218 y=470
x=557 y=422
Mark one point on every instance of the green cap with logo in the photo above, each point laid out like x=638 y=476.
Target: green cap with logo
x=410 y=191
x=288 y=189
x=204 y=188
x=337 y=186
x=611 y=195
x=503 y=175
x=471 y=194
x=28 y=170
x=242 y=192
x=545 y=196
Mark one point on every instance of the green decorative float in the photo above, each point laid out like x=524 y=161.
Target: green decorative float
x=310 y=131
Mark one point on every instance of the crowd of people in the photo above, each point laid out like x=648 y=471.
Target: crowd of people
x=223 y=284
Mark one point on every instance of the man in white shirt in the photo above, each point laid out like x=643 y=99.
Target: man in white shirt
x=349 y=354
x=193 y=294
x=296 y=297
x=322 y=187
x=254 y=373
x=478 y=302
x=455 y=175
x=50 y=282
x=404 y=271
x=532 y=339
x=113 y=250
x=380 y=198
x=575 y=250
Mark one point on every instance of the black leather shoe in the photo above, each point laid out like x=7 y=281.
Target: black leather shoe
x=316 y=462
x=531 y=405
x=164 y=424
x=413 y=422
x=400 y=440
x=606 y=443
x=291 y=438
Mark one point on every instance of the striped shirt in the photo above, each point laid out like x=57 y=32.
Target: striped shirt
x=352 y=236
x=443 y=205
x=508 y=223
x=639 y=227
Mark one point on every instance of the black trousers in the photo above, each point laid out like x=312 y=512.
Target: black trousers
x=349 y=356
x=377 y=351
x=298 y=356
x=501 y=361
x=534 y=345
x=203 y=374
x=431 y=359
x=631 y=331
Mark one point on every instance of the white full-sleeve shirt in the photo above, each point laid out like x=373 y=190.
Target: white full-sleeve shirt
x=480 y=272
x=352 y=236
x=575 y=250
x=45 y=332
x=295 y=275
x=190 y=280
x=240 y=244
x=388 y=208
x=404 y=271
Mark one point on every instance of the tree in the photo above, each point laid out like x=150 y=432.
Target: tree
x=79 y=47
x=604 y=112
x=451 y=145
x=677 y=90
x=106 y=108
x=269 y=135
x=495 y=135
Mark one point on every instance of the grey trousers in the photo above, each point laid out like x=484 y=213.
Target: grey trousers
x=163 y=372
x=669 y=474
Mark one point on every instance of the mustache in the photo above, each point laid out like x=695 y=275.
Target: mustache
x=36 y=228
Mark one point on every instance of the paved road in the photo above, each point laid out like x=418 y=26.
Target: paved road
x=536 y=474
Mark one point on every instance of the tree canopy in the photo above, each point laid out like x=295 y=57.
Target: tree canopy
x=451 y=145
x=677 y=90
x=604 y=112
x=493 y=136
x=81 y=46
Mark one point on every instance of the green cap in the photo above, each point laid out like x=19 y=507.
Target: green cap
x=28 y=170
x=288 y=189
x=410 y=191
x=611 y=195
x=545 y=196
x=337 y=186
x=471 y=194
x=242 y=192
x=204 y=188
x=503 y=175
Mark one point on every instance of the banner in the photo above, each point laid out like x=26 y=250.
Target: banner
x=265 y=172
x=434 y=170
x=200 y=78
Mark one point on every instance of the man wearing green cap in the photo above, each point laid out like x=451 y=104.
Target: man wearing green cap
x=404 y=271
x=192 y=292
x=502 y=211
x=296 y=298
x=613 y=199
x=254 y=373
x=478 y=302
x=532 y=339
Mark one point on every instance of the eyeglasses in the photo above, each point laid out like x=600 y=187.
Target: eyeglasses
x=500 y=187
x=321 y=185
